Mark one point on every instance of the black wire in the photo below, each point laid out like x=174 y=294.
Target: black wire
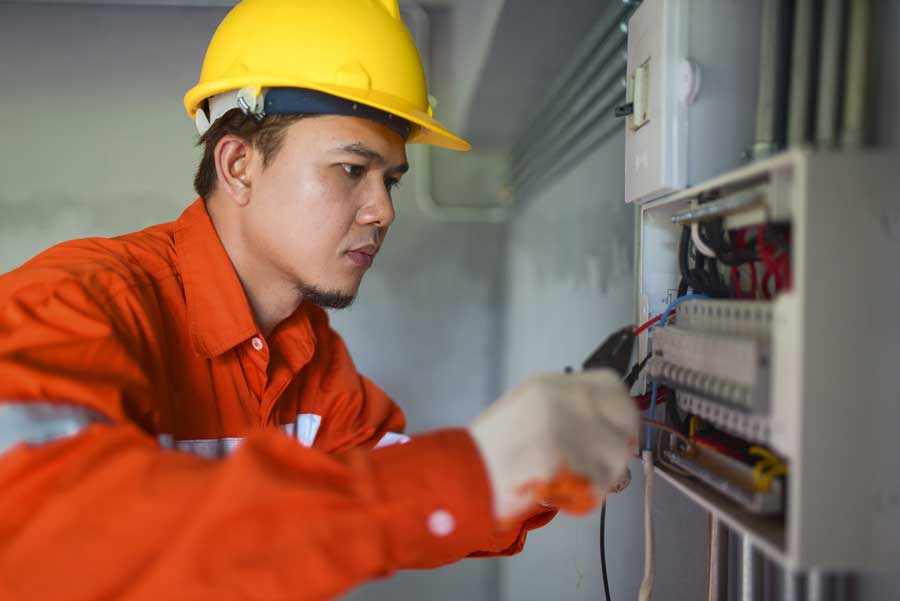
x=603 y=549
x=704 y=277
x=673 y=416
x=635 y=372
x=713 y=234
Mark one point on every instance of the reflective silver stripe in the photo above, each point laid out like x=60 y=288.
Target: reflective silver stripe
x=39 y=422
x=211 y=448
x=392 y=438
x=307 y=428
x=304 y=429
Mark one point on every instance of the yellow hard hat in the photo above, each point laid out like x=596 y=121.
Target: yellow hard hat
x=355 y=50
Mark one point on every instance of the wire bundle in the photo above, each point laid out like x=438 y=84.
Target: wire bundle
x=706 y=253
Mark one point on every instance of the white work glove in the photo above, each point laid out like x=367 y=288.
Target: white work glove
x=552 y=427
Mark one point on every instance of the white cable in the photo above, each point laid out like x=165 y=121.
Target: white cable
x=700 y=244
x=647 y=582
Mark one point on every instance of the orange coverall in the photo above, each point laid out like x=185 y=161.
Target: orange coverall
x=131 y=369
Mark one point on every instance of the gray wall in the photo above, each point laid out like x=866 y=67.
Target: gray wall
x=94 y=136
x=570 y=283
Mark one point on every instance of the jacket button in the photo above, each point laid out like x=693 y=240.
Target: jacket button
x=441 y=523
x=257 y=343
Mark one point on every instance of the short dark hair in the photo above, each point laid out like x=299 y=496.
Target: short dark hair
x=266 y=135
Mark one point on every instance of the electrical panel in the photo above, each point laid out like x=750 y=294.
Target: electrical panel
x=783 y=373
x=692 y=68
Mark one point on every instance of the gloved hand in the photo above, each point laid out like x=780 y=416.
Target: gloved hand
x=557 y=439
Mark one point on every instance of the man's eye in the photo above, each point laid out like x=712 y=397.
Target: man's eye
x=391 y=184
x=354 y=171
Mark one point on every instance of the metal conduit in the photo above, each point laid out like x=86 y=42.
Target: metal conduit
x=801 y=106
x=577 y=114
x=586 y=53
x=793 y=586
x=587 y=79
x=599 y=99
x=751 y=572
x=613 y=69
x=774 y=57
x=717 y=581
x=582 y=147
x=857 y=77
x=591 y=131
x=831 y=73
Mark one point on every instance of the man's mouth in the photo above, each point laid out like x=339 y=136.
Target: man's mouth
x=363 y=256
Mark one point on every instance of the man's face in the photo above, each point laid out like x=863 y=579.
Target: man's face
x=320 y=211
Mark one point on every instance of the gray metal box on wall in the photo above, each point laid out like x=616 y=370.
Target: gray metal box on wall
x=692 y=80
x=829 y=405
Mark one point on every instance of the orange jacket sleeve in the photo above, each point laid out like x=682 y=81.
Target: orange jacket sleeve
x=105 y=513
x=362 y=415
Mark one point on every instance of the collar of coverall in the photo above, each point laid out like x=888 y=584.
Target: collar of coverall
x=219 y=315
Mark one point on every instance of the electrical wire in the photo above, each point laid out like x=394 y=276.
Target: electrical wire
x=651 y=423
x=704 y=277
x=673 y=415
x=766 y=469
x=700 y=244
x=646 y=325
x=635 y=372
x=643 y=401
x=651 y=410
x=646 y=589
x=676 y=302
x=727 y=251
x=767 y=255
x=662 y=322
x=603 y=549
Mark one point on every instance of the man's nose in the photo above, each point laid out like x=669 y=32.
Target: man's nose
x=378 y=209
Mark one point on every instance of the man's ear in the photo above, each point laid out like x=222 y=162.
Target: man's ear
x=233 y=155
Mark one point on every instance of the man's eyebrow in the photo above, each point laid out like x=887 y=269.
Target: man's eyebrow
x=370 y=154
x=360 y=149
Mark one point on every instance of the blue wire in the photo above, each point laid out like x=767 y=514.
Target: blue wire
x=662 y=323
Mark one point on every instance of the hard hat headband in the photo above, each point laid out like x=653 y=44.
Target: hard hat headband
x=293 y=101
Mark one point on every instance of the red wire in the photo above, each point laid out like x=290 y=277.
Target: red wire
x=646 y=324
x=777 y=267
x=784 y=265
x=643 y=401
x=765 y=253
x=716 y=446
x=741 y=242
x=752 y=279
x=736 y=282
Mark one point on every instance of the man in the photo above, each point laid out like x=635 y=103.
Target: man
x=177 y=418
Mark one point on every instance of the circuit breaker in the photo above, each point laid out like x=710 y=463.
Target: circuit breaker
x=783 y=371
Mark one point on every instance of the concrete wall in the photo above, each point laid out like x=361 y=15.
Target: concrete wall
x=94 y=136
x=95 y=142
x=569 y=284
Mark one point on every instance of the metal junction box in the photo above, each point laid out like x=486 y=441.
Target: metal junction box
x=692 y=81
x=817 y=369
